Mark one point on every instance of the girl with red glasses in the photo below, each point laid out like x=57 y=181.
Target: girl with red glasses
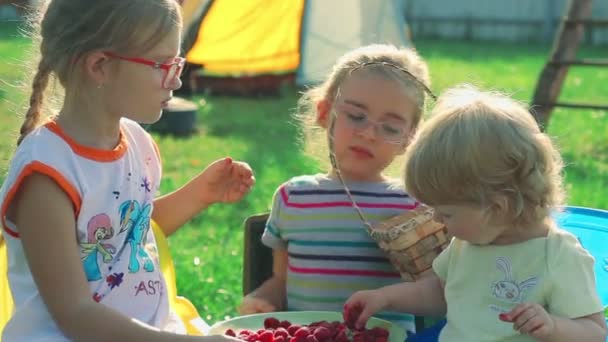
x=81 y=191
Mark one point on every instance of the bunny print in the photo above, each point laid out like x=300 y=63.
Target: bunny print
x=508 y=289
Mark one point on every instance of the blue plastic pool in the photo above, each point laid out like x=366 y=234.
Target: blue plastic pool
x=591 y=228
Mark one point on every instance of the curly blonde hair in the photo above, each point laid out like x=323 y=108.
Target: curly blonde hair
x=66 y=30
x=477 y=146
x=314 y=136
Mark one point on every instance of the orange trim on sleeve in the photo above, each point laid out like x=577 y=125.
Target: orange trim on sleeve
x=48 y=171
x=90 y=152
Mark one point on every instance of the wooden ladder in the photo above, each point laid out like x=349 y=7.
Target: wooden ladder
x=563 y=55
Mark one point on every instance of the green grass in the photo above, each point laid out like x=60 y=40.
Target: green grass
x=11 y=55
x=514 y=68
x=208 y=251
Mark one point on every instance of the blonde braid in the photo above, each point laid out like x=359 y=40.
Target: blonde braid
x=33 y=115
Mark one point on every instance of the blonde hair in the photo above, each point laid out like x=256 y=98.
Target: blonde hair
x=397 y=58
x=477 y=146
x=66 y=30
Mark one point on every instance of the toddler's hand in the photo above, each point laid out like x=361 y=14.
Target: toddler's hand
x=361 y=306
x=253 y=305
x=530 y=319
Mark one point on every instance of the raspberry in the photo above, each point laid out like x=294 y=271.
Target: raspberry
x=303 y=331
x=319 y=331
x=379 y=332
x=311 y=338
x=245 y=332
x=322 y=334
x=368 y=336
x=351 y=314
x=326 y=325
x=505 y=317
x=267 y=336
x=341 y=337
x=292 y=329
x=281 y=332
x=271 y=323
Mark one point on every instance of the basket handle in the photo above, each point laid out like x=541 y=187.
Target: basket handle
x=334 y=116
x=334 y=164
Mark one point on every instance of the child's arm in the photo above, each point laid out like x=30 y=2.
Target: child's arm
x=424 y=297
x=589 y=328
x=222 y=181
x=271 y=295
x=45 y=218
x=533 y=319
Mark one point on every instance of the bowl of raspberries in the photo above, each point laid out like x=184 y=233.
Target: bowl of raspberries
x=307 y=326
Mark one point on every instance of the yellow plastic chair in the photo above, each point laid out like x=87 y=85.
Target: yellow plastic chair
x=195 y=325
x=6 y=300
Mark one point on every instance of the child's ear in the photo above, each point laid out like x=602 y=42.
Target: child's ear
x=95 y=67
x=500 y=206
x=323 y=111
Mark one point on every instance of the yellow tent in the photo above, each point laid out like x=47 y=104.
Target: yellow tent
x=247 y=36
x=241 y=38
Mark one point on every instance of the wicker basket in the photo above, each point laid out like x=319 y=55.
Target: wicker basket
x=411 y=241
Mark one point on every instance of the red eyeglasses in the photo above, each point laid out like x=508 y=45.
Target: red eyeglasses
x=173 y=69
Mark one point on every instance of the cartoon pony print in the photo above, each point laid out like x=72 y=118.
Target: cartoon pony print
x=99 y=229
x=135 y=220
x=508 y=289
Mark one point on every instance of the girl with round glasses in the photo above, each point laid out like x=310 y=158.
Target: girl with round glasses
x=368 y=107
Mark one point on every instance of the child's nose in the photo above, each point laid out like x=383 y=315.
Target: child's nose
x=176 y=83
x=369 y=132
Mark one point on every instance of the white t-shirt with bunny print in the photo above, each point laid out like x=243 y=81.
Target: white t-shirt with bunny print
x=483 y=281
x=112 y=192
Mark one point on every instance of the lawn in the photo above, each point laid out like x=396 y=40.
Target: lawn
x=208 y=251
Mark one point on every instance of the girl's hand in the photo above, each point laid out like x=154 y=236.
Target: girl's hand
x=530 y=319
x=361 y=306
x=225 y=181
x=253 y=305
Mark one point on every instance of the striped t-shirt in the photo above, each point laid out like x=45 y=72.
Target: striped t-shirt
x=331 y=255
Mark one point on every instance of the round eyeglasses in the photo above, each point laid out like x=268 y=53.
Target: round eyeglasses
x=392 y=131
